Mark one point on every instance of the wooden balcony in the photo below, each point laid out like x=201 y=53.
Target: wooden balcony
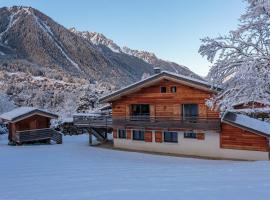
x=146 y=121
x=97 y=121
x=167 y=122
x=37 y=135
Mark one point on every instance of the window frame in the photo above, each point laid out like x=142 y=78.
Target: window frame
x=120 y=132
x=190 y=134
x=140 y=111
x=190 y=115
x=161 y=89
x=140 y=132
x=171 y=138
x=175 y=89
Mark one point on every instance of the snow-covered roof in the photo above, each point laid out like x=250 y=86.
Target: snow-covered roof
x=22 y=112
x=106 y=107
x=245 y=122
x=67 y=120
x=247 y=102
x=186 y=80
x=90 y=114
x=252 y=110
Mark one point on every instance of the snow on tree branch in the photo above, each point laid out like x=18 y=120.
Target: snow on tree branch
x=241 y=59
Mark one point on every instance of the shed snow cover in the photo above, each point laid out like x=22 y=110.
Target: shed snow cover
x=245 y=122
x=22 y=112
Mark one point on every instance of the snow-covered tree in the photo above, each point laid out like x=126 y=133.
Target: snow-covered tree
x=5 y=103
x=241 y=59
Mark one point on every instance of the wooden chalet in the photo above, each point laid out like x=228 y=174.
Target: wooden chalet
x=255 y=109
x=28 y=124
x=167 y=113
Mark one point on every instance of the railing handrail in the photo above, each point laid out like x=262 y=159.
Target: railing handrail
x=150 y=116
x=164 y=117
x=32 y=130
x=106 y=119
x=152 y=121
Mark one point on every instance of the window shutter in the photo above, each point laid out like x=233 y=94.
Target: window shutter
x=115 y=133
x=128 y=134
x=158 y=136
x=200 y=136
x=148 y=136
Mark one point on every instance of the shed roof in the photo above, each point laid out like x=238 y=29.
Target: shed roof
x=193 y=82
x=248 y=123
x=23 y=112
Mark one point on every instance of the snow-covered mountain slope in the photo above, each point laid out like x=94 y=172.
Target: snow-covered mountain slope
x=46 y=65
x=98 y=38
x=28 y=34
x=150 y=58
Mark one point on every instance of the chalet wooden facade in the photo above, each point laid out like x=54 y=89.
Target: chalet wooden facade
x=167 y=113
x=28 y=124
x=254 y=109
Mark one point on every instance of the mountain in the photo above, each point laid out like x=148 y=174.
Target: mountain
x=46 y=65
x=26 y=33
x=100 y=40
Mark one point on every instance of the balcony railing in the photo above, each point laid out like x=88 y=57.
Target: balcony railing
x=38 y=134
x=92 y=120
x=168 y=122
x=146 y=121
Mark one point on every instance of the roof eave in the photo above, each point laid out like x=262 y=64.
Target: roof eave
x=115 y=95
x=34 y=112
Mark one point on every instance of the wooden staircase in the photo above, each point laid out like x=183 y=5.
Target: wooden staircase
x=99 y=133
x=57 y=137
x=96 y=124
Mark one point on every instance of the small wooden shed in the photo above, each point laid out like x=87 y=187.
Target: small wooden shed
x=29 y=124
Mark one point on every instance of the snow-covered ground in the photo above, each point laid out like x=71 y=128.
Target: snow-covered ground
x=75 y=170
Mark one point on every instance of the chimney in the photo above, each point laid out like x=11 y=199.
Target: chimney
x=157 y=70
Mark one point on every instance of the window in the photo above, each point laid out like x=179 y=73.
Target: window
x=190 y=110
x=138 y=135
x=190 y=134
x=140 y=111
x=173 y=89
x=122 y=133
x=170 y=136
x=163 y=89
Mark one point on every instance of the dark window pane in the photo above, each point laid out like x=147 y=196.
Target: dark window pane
x=145 y=110
x=163 y=89
x=138 y=135
x=173 y=89
x=140 y=111
x=135 y=108
x=190 y=134
x=122 y=133
x=190 y=110
x=170 y=136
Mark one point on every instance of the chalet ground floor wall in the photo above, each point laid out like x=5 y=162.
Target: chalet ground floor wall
x=209 y=146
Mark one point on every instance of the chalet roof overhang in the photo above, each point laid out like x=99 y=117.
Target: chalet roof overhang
x=247 y=123
x=192 y=82
x=21 y=113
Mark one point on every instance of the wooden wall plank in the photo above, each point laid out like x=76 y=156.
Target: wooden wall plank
x=165 y=104
x=232 y=137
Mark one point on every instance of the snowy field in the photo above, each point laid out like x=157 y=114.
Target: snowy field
x=75 y=171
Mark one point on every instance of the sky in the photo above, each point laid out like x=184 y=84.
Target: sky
x=171 y=29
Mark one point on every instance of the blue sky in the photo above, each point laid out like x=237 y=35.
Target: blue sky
x=170 y=28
